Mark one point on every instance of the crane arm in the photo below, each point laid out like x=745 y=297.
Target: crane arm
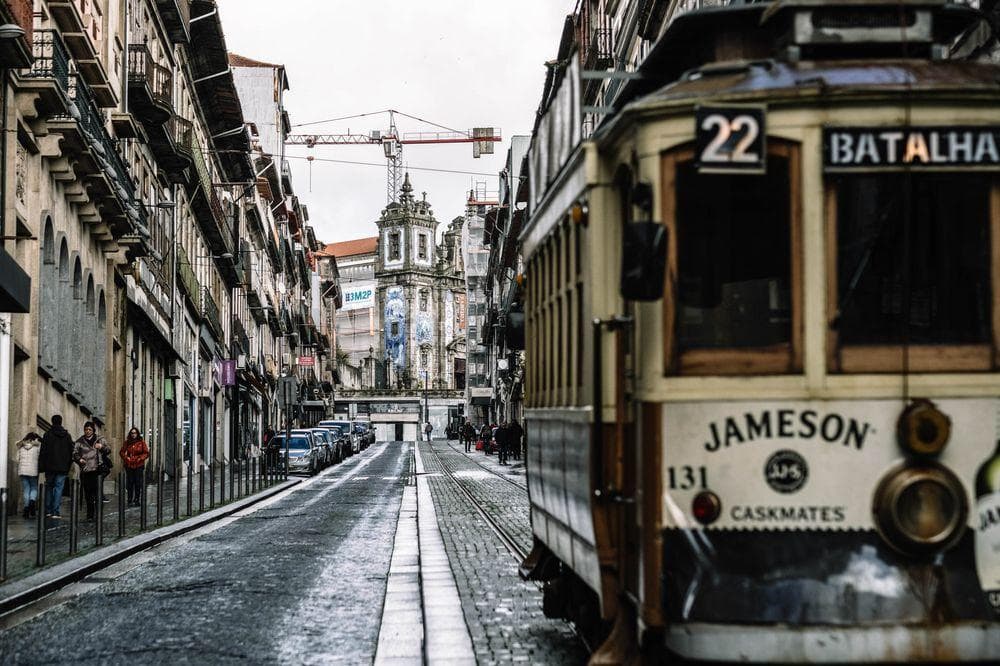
x=409 y=138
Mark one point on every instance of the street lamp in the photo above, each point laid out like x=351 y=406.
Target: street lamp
x=371 y=366
x=427 y=413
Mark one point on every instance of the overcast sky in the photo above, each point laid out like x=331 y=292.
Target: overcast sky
x=459 y=63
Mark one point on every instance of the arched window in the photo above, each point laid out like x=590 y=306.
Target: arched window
x=90 y=295
x=63 y=260
x=77 y=279
x=102 y=310
x=48 y=243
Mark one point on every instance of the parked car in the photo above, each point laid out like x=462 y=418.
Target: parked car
x=365 y=433
x=341 y=442
x=346 y=427
x=302 y=452
x=325 y=445
x=332 y=436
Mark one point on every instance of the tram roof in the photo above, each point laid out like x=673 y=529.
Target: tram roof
x=774 y=81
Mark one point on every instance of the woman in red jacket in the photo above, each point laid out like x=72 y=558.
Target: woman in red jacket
x=134 y=454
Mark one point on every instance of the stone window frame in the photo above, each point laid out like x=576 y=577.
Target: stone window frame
x=423 y=252
x=424 y=299
x=395 y=246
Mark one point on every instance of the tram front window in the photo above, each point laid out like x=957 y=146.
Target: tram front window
x=734 y=258
x=941 y=295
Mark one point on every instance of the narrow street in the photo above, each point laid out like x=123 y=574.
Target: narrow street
x=302 y=577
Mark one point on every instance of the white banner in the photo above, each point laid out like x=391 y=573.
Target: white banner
x=803 y=465
x=358 y=296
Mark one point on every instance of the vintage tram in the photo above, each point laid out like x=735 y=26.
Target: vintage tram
x=762 y=315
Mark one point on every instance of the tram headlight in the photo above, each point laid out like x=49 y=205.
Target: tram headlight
x=923 y=429
x=920 y=510
x=706 y=507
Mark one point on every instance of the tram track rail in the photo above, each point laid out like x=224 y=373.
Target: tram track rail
x=506 y=538
x=522 y=486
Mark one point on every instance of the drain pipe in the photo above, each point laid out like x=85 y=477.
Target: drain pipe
x=5 y=363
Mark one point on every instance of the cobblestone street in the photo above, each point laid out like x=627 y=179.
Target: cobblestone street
x=503 y=612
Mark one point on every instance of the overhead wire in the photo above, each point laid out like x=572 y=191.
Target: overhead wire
x=382 y=165
x=333 y=120
x=375 y=113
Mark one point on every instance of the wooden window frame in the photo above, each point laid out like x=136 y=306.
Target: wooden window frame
x=882 y=359
x=781 y=359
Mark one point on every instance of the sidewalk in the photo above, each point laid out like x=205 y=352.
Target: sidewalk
x=205 y=494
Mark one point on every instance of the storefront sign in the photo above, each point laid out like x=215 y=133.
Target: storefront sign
x=307 y=361
x=227 y=374
x=731 y=139
x=359 y=296
x=894 y=148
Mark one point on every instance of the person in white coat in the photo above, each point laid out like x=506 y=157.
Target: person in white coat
x=27 y=469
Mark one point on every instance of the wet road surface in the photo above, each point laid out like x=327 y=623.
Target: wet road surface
x=301 y=579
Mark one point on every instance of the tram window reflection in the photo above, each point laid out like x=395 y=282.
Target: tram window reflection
x=945 y=297
x=734 y=265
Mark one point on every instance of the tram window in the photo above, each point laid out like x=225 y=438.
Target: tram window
x=942 y=295
x=734 y=258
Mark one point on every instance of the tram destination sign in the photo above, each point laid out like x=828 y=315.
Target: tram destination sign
x=897 y=148
x=731 y=139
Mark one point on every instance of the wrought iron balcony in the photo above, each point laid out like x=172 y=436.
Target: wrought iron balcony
x=207 y=207
x=97 y=157
x=186 y=278
x=210 y=311
x=171 y=144
x=150 y=87
x=240 y=336
x=49 y=73
x=82 y=26
x=176 y=15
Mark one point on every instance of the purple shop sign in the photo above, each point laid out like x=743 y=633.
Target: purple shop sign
x=228 y=374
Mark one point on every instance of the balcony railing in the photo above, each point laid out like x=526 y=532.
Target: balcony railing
x=210 y=311
x=51 y=59
x=187 y=279
x=218 y=229
x=104 y=150
x=151 y=82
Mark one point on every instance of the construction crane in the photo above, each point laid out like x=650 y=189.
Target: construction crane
x=392 y=142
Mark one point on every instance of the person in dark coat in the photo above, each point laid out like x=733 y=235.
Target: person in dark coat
x=515 y=434
x=469 y=435
x=503 y=442
x=54 y=460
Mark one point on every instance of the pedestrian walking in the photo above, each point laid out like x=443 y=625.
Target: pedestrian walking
x=428 y=428
x=516 y=435
x=503 y=443
x=486 y=434
x=27 y=468
x=55 y=457
x=468 y=434
x=87 y=454
x=134 y=453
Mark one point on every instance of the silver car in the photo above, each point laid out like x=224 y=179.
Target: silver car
x=302 y=452
x=326 y=444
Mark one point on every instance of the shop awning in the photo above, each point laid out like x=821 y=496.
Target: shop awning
x=15 y=286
